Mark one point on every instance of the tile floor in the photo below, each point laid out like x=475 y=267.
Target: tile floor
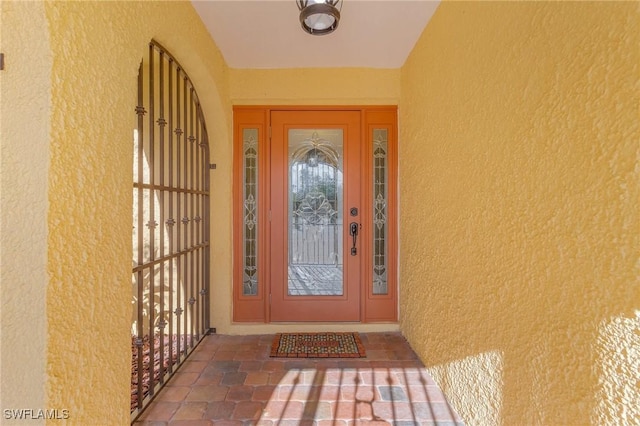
x=231 y=380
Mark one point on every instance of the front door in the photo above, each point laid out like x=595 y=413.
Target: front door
x=315 y=215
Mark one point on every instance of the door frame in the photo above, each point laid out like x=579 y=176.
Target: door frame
x=256 y=307
x=284 y=307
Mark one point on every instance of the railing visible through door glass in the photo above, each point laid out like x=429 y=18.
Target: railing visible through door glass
x=170 y=280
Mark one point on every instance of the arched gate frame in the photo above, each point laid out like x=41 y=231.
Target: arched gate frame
x=170 y=277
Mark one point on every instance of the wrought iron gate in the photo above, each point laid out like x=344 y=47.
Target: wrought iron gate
x=170 y=225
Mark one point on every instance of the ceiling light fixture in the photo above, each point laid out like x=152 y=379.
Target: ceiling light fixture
x=319 y=17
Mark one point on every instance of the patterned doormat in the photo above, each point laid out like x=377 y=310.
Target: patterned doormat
x=317 y=345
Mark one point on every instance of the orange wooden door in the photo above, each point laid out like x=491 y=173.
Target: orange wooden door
x=315 y=216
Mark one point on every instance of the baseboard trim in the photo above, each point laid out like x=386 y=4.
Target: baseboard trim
x=282 y=327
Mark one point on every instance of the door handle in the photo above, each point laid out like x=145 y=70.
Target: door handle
x=353 y=231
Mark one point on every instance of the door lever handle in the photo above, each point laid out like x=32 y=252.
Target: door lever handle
x=353 y=231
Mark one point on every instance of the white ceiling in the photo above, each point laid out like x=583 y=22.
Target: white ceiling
x=267 y=33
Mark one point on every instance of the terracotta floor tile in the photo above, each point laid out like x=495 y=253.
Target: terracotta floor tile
x=294 y=422
x=414 y=376
x=299 y=364
x=394 y=410
x=223 y=366
x=374 y=338
x=240 y=393
x=190 y=411
x=353 y=410
x=209 y=377
x=183 y=379
x=282 y=410
x=271 y=365
x=248 y=410
x=159 y=411
x=224 y=355
x=202 y=355
x=190 y=423
x=250 y=366
x=207 y=393
x=294 y=393
x=379 y=346
x=229 y=423
x=264 y=393
x=232 y=380
x=276 y=378
x=219 y=410
x=329 y=393
x=257 y=378
x=149 y=423
x=190 y=366
x=331 y=423
x=364 y=393
x=393 y=393
x=342 y=377
x=405 y=354
x=425 y=394
x=247 y=356
x=173 y=393
x=383 y=354
x=319 y=410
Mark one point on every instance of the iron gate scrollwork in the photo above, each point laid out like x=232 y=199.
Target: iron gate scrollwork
x=170 y=225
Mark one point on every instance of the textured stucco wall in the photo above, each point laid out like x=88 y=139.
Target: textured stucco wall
x=520 y=227
x=315 y=86
x=25 y=98
x=82 y=59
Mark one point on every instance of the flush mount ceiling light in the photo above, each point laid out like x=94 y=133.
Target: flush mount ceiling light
x=319 y=17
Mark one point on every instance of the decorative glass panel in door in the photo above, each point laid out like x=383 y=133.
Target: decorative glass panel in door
x=250 y=212
x=380 y=214
x=315 y=218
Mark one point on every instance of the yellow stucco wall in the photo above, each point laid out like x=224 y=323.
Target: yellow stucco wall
x=520 y=227
x=315 y=86
x=24 y=156
x=90 y=71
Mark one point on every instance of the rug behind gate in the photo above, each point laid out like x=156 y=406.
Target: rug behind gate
x=317 y=345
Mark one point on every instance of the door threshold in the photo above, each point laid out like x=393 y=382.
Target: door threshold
x=308 y=327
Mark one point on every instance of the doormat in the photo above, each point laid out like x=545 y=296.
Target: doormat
x=317 y=345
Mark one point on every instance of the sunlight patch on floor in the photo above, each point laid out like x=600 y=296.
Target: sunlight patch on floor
x=404 y=395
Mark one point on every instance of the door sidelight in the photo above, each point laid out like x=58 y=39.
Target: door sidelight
x=353 y=231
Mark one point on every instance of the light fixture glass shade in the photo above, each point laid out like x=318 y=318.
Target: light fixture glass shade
x=319 y=17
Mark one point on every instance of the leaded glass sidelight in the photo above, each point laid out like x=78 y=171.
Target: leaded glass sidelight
x=380 y=202
x=250 y=215
x=315 y=212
